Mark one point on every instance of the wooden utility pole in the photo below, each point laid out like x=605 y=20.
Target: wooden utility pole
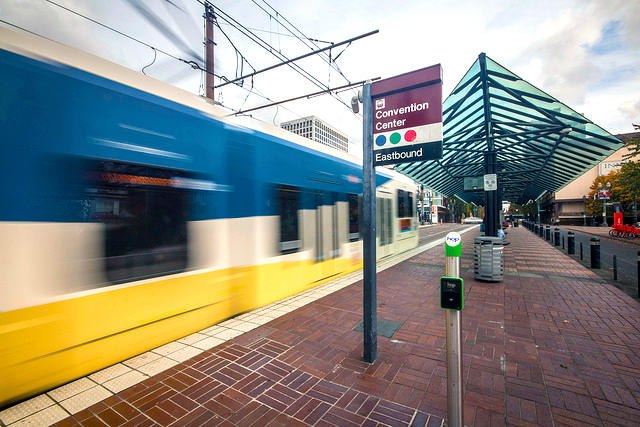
x=208 y=17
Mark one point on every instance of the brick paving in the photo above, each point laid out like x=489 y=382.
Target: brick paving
x=553 y=344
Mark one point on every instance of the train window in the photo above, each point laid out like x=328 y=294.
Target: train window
x=354 y=217
x=289 y=204
x=144 y=210
x=402 y=203
x=405 y=204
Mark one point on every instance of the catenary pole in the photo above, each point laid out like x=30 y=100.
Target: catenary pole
x=208 y=18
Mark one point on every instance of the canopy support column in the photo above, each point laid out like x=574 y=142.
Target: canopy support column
x=491 y=198
x=492 y=204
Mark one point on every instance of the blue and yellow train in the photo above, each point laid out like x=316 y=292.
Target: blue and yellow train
x=132 y=213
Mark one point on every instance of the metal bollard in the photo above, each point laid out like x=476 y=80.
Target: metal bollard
x=562 y=242
x=595 y=252
x=540 y=230
x=455 y=379
x=535 y=229
x=556 y=236
x=571 y=243
x=581 y=253
x=615 y=268
x=547 y=233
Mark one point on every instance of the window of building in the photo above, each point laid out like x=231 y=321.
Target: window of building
x=288 y=206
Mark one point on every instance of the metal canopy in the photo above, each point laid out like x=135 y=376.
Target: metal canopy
x=496 y=121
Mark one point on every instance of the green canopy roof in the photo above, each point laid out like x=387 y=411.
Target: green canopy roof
x=540 y=143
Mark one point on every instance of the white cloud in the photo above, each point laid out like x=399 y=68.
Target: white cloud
x=548 y=43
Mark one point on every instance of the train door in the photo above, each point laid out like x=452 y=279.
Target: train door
x=326 y=237
x=331 y=230
x=384 y=225
x=318 y=254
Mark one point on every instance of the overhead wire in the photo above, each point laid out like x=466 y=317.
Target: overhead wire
x=155 y=54
x=242 y=59
x=266 y=46
x=262 y=30
x=304 y=38
x=155 y=49
x=25 y=30
x=117 y=31
x=191 y=63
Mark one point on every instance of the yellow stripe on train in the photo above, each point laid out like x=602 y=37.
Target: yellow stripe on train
x=44 y=346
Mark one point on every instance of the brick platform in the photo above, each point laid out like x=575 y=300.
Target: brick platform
x=551 y=345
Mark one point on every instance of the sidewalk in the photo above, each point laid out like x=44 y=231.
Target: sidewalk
x=553 y=344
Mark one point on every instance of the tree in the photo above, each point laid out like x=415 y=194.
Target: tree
x=594 y=205
x=629 y=176
x=530 y=210
x=632 y=142
x=625 y=183
x=629 y=183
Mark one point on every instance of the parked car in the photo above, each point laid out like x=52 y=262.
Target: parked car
x=472 y=220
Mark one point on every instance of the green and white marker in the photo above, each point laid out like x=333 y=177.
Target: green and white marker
x=453 y=244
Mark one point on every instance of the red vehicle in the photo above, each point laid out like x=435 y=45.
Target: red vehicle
x=624 y=231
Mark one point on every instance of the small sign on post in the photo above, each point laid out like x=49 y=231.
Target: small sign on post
x=490 y=182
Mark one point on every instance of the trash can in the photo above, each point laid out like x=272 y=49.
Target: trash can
x=488 y=261
x=482 y=228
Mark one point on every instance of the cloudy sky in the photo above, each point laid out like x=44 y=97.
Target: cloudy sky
x=586 y=53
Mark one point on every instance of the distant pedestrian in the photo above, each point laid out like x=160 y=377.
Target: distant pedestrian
x=500 y=233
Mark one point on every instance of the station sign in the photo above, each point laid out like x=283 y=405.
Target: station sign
x=407 y=117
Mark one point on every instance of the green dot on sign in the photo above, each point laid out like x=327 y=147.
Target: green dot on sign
x=395 y=138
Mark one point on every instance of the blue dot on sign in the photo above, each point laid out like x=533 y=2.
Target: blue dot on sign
x=380 y=140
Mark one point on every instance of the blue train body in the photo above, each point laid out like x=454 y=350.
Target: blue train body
x=130 y=218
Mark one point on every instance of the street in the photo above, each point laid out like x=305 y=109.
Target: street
x=625 y=252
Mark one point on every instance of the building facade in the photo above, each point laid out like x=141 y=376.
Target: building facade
x=569 y=203
x=317 y=130
x=430 y=205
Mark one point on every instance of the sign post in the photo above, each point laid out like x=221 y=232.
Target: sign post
x=451 y=299
x=370 y=320
x=403 y=114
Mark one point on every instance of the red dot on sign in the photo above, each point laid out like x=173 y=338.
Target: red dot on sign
x=410 y=135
